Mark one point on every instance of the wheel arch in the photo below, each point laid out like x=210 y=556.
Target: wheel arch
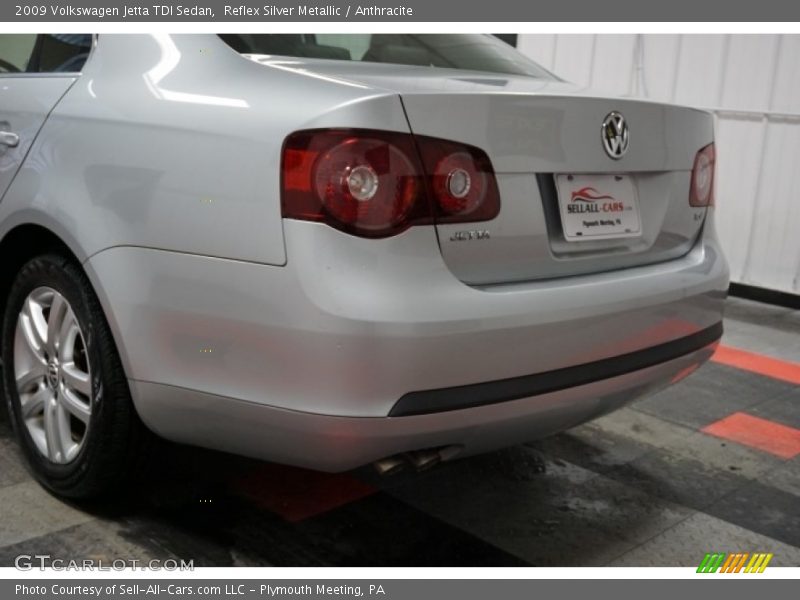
x=27 y=240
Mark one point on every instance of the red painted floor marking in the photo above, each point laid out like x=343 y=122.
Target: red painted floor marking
x=298 y=494
x=777 y=439
x=758 y=363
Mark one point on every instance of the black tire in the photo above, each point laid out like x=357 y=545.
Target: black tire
x=116 y=443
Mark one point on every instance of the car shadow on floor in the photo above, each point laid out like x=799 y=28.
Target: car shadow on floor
x=515 y=507
x=510 y=508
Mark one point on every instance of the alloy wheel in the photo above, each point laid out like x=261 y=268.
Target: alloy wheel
x=53 y=375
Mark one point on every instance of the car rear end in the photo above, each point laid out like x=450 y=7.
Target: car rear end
x=522 y=258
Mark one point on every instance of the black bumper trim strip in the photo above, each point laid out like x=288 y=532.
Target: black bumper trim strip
x=491 y=392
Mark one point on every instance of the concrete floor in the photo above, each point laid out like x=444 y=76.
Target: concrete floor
x=643 y=486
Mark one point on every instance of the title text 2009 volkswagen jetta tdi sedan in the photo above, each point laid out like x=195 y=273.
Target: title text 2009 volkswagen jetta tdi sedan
x=329 y=250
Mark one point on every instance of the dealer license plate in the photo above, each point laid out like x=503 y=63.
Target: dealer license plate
x=598 y=207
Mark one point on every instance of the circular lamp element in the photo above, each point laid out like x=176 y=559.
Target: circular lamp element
x=362 y=182
x=458 y=183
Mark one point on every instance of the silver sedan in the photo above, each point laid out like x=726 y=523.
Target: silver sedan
x=335 y=250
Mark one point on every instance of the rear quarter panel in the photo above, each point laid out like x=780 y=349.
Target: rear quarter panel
x=173 y=143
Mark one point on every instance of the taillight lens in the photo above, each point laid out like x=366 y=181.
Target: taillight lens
x=701 y=192
x=368 y=184
x=461 y=181
x=373 y=183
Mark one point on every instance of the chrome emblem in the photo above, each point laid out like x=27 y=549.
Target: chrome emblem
x=52 y=374
x=467 y=236
x=615 y=135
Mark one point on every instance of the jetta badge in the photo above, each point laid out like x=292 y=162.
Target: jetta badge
x=615 y=135
x=467 y=236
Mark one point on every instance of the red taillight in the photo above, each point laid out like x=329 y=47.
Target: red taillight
x=701 y=192
x=461 y=180
x=373 y=183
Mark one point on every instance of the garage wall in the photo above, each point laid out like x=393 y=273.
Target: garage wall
x=752 y=82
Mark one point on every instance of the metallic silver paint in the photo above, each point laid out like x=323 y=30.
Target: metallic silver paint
x=337 y=443
x=24 y=105
x=357 y=323
x=290 y=340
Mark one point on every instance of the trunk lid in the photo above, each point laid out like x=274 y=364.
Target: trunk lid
x=543 y=145
x=537 y=132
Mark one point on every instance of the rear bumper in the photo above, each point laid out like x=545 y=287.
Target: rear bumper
x=331 y=443
x=265 y=360
x=483 y=394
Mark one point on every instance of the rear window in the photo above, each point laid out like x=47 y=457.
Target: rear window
x=469 y=52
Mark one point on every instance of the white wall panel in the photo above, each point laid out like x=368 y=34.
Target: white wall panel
x=659 y=66
x=613 y=71
x=752 y=82
x=738 y=177
x=787 y=76
x=773 y=258
x=750 y=69
x=701 y=64
x=573 y=57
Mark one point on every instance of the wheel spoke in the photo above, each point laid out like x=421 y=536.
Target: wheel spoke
x=35 y=374
x=33 y=339
x=36 y=315
x=55 y=321
x=64 y=430
x=34 y=405
x=76 y=379
x=74 y=405
x=67 y=334
x=52 y=434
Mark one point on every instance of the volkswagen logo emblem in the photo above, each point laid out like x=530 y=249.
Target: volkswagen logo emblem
x=52 y=374
x=615 y=135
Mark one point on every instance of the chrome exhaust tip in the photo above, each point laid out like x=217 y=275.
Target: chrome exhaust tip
x=423 y=459
x=389 y=465
x=420 y=460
